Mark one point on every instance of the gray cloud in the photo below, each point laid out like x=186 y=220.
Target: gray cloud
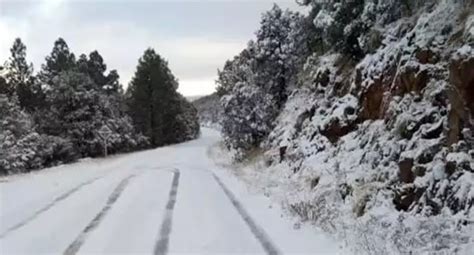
x=196 y=37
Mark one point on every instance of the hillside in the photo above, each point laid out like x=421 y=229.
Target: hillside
x=358 y=117
x=209 y=110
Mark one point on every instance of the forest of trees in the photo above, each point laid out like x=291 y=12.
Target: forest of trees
x=53 y=116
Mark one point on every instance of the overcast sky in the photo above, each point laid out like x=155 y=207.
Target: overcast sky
x=195 y=36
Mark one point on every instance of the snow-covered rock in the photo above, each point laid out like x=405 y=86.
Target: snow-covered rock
x=377 y=149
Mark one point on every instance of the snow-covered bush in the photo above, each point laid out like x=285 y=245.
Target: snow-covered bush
x=254 y=85
x=248 y=115
x=21 y=147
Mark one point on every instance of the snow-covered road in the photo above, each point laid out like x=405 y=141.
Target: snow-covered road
x=168 y=200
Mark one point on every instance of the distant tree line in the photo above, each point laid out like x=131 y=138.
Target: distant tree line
x=52 y=117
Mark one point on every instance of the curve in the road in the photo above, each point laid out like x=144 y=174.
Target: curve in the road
x=48 y=206
x=257 y=231
x=74 y=247
x=161 y=246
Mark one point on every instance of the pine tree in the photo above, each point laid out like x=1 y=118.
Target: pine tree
x=154 y=103
x=187 y=123
x=20 y=78
x=3 y=83
x=14 y=124
x=18 y=72
x=77 y=110
x=21 y=147
x=278 y=51
x=113 y=85
x=95 y=67
x=60 y=59
x=79 y=101
x=254 y=85
x=351 y=27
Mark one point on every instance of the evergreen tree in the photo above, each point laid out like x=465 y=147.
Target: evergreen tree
x=186 y=124
x=81 y=63
x=20 y=78
x=18 y=71
x=14 y=125
x=154 y=103
x=77 y=110
x=95 y=67
x=113 y=85
x=21 y=147
x=60 y=59
x=352 y=27
x=278 y=51
x=254 y=85
x=13 y=119
x=78 y=103
x=3 y=83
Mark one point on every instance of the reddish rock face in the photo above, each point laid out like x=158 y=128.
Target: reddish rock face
x=411 y=79
x=426 y=56
x=372 y=100
x=461 y=97
x=461 y=74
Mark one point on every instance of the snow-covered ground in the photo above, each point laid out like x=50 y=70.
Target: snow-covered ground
x=168 y=200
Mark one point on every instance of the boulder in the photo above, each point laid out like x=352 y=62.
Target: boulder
x=461 y=95
x=426 y=56
x=335 y=130
x=405 y=173
x=411 y=78
x=372 y=100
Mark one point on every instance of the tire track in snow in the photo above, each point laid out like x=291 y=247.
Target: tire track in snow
x=161 y=246
x=257 y=231
x=74 y=247
x=48 y=206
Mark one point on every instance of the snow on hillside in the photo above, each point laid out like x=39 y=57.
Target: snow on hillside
x=209 y=110
x=379 y=151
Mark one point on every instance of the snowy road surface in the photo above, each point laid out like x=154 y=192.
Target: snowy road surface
x=164 y=201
